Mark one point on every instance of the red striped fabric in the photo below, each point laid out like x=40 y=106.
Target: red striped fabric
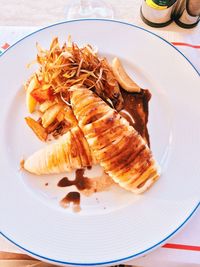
x=185 y=44
x=183 y=247
x=5 y=46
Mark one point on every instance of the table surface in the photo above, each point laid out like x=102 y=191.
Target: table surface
x=19 y=12
x=43 y=12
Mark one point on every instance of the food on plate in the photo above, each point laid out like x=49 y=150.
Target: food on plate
x=59 y=69
x=74 y=198
x=45 y=105
x=62 y=67
x=123 y=78
x=97 y=112
x=70 y=152
x=56 y=120
x=30 y=101
x=50 y=115
x=37 y=128
x=116 y=145
x=87 y=185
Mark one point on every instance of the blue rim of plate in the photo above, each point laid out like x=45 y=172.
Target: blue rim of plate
x=108 y=262
x=157 y=244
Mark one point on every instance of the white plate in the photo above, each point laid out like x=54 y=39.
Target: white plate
x=113 y=226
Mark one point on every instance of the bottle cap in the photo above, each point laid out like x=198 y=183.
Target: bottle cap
x=157 y=13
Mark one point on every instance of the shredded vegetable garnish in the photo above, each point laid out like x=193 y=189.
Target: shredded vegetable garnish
x=62 y=67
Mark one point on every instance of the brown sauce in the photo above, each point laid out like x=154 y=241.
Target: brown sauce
x=99 y=184
x=81 y=182
x=136 y=111
x=71 y=197
x=89 y=167
x=88 y=186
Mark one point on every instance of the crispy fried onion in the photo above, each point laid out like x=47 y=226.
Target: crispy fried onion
x=62 y=67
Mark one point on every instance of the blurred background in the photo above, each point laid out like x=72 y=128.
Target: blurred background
x=43 y=12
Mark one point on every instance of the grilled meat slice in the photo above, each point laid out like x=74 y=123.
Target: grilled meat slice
x=116 y=145
x=70 y=152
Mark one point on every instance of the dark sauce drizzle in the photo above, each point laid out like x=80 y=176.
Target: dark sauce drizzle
x=74 y=198
x=81 y=182
x=136 y=111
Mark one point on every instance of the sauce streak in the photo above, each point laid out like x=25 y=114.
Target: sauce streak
x=89 y=167
x=88 y=186
x=71 y=197
x=81 y=182
x=136 y=111
x=99 y=184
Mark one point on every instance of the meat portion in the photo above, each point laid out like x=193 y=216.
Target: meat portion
x=101 y=136
x=116 y=145
x=70 y=152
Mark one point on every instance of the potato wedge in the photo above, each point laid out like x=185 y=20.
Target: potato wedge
x=123 y=78
x=30 y=101
x=45 y=105
x=61 y=115
x=52 y=127
x=37 y=128
x=50 y=115
x=42 y=95
x=69 y=116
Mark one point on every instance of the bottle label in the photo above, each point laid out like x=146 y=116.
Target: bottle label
x=160 y=4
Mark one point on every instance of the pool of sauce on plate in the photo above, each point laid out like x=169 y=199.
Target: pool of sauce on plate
x=88 y=186
x=81 y=182
x=74 y=198
x=89 y=167
x=136 y=111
